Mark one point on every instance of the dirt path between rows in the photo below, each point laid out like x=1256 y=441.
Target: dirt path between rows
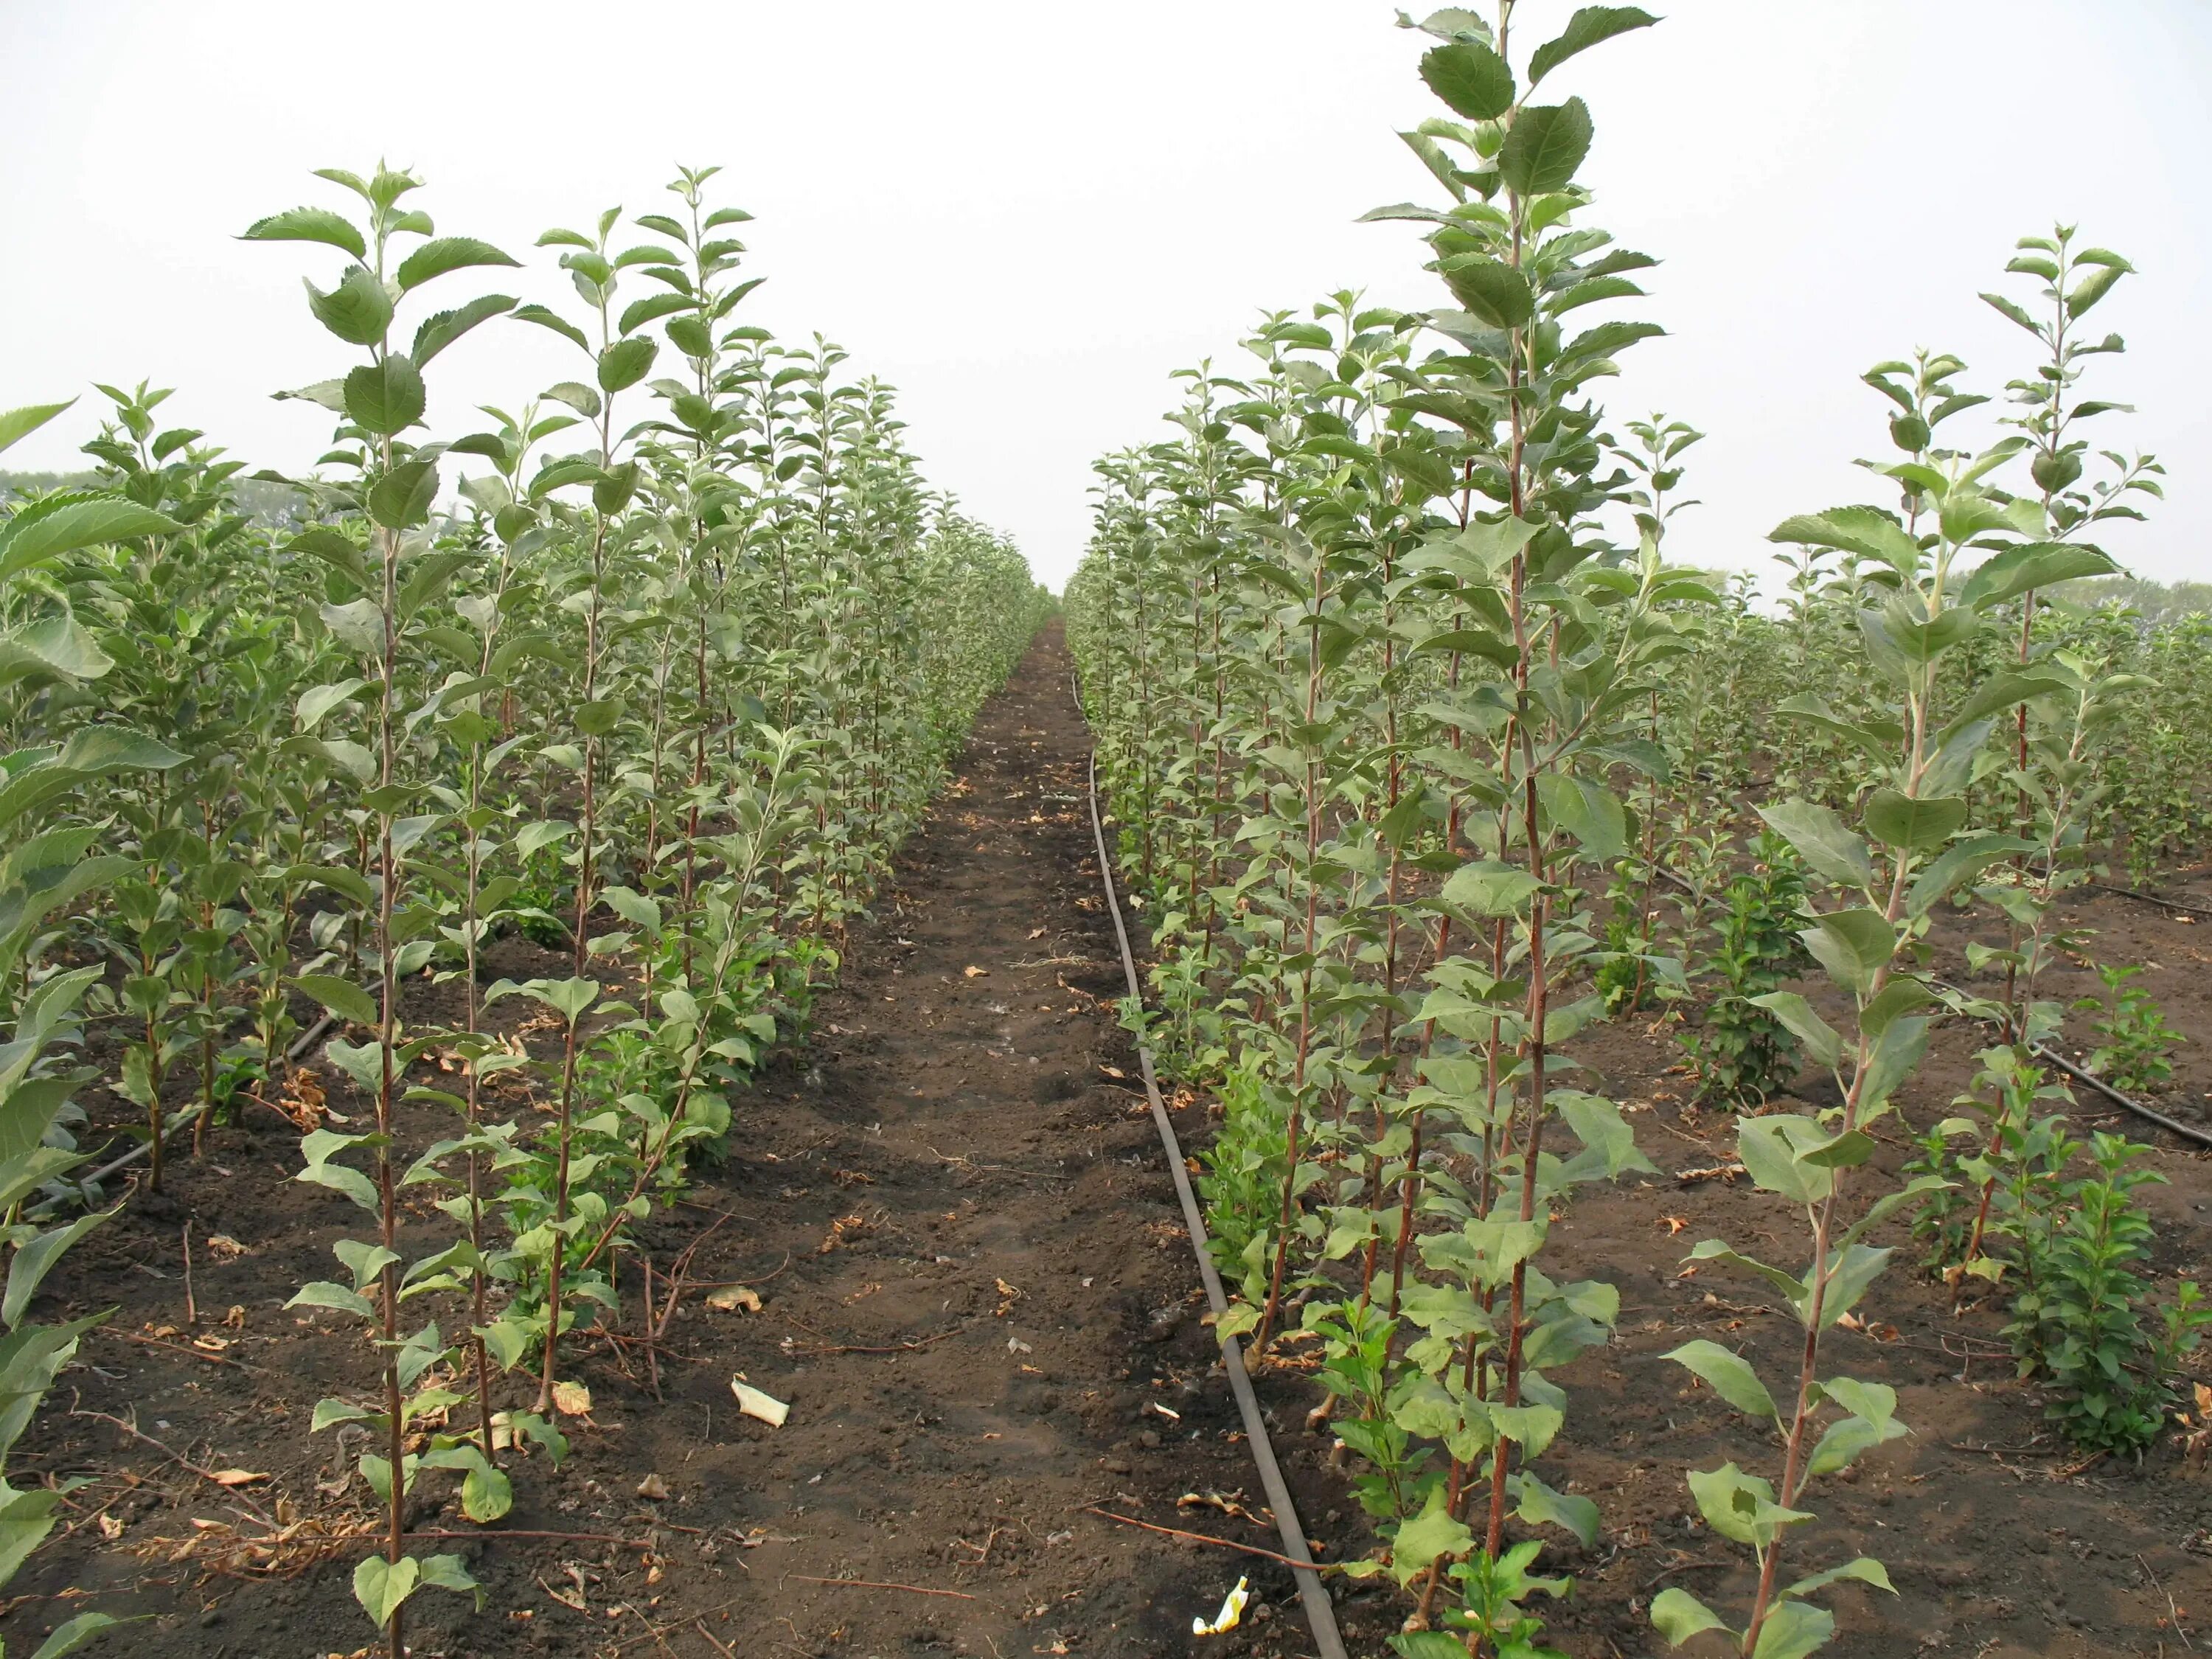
x=976 y=1292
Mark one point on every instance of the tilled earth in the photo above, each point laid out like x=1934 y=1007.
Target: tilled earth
x=977 y=1296
x=975 y=1293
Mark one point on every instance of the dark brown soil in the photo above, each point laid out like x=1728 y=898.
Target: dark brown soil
x=978 y=1298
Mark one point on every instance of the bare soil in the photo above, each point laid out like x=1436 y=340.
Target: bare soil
x=977 y=1296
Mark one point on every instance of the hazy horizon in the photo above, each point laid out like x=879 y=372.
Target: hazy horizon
x=1025 y=224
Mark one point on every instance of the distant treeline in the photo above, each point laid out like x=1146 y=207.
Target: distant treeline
x=264 y=500
x=2155 y=602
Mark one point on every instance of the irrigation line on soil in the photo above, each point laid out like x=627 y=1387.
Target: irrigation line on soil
x=176 y=1126
x=1320 y=1616
x=2051 y=1056
x=2150 y=898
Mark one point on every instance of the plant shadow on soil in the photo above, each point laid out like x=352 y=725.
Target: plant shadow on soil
x=978 y=1298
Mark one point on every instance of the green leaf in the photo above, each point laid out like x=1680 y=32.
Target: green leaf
x=1865 y=1570
x=560 y=325
x=42 y=532
x=401 y=498
x=1897 y=1053
x=1850 y=1277
x=450 y=1573
x=1792 y=1630
x=74 y=1633
x=1488 y=888
x=626 y=363
x=1877 y=739
x=445 y=253
x=1867 y=531
x=638 y=312
x=568 y=997
x=1841 y=1444
x=1530 y=1427
x=309 y=224
x=1435 y=1532
x=1823 y=841
x=1820 y=1039
x=486 y=1493
x=1913 y=822
x=1738 y=1506
x=381 y=1586
x=54 y=648
x=1470 y=77
x=1678 y=1615
x=1545 y=146
x=31 y=1263
x=1588 y=812
x=342 y=997
x=1540 y=1506
x=1712 y=1250
x=100 y=749
x=1852 y=946
x=1958 y=863
x=1588 y=27
x=26 y=1518
x=18 y=423
x=1730 y=1376
x=1768 y=1147
x=1490 y=289
x=441 y=329
x=2093 y=288
x=323 y=1293
x=2034 y=564
x=385 y=397
x=357 y=310
x=1426 y=1644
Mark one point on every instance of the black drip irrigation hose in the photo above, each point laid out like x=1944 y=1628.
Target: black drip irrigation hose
x=2185 y=907
x=1321 y=1615
x=2051 y=1056
x=173 y=1130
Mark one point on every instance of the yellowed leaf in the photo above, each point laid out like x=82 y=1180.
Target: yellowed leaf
x=731 y=1297
x=572 y=1399
x=236 y=1477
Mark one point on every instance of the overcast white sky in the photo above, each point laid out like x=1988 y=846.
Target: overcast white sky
x=1024 y=215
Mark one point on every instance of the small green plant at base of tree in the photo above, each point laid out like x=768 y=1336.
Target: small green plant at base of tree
x=2113 y=1375
x=2137 y=1040
x=1741 y=1053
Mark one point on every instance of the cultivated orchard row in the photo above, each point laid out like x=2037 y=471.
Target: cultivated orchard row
x=1428 y=754
x=655 y=666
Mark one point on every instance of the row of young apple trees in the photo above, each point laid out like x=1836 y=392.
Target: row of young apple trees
x=661 y=687
x=1383 y=708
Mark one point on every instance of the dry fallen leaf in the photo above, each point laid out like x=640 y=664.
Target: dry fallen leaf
x=1036 y=933
x=652 y=1486
x=110 y=1528
x=1674 y=1223
x=973 y=972
x=574 y=1598
x=731 y=1297
x=235 y=1477
x=225 y=1247
x=572 y=1399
